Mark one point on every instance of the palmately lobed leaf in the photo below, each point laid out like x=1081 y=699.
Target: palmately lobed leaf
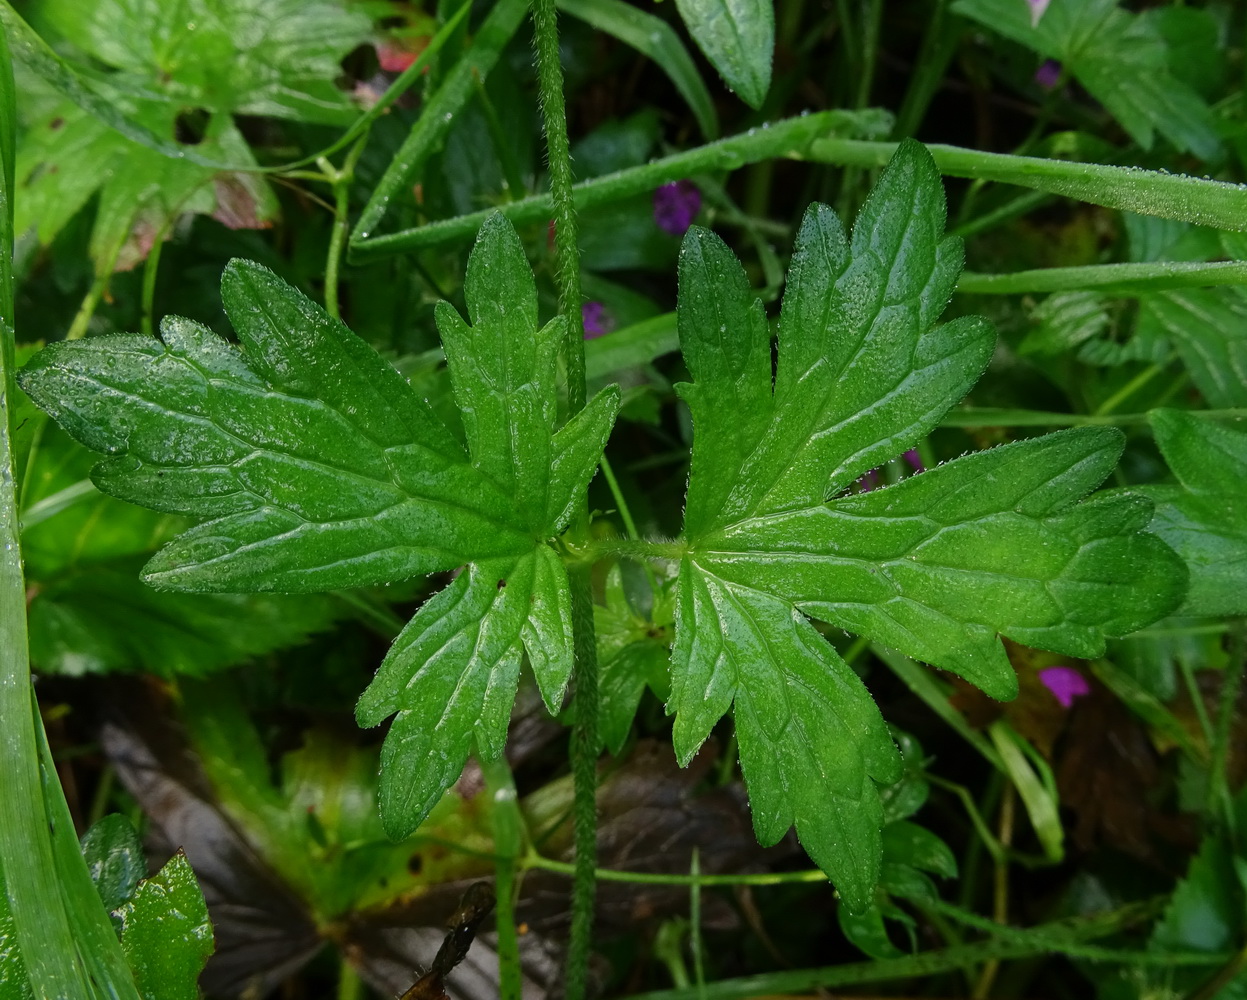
x=938 y=566
x=318 y=467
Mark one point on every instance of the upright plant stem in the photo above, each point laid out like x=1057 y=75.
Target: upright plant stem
x=558 y=155
x=341 y=181
x=508 y=844
x=584 y=748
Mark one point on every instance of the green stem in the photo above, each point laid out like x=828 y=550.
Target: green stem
x=82 y=318
x=938 y=46
x=1219 y=796
x=694 y=919
x=440 y=109
x=1172 y=196
x=508 y=843
x=985 y=416
x=558 y=159
x=584 y=740
x=626 y=548
x=1129 y=389
x=584 y=746
x=789 y=137
x=151 y=268
x=621 y=504
x=350 y=986
x=1038 y=941
x=1222 y=978
x=872 y=19
x=511 y=175
x=341 y=181
x=1007 y=212
x=1126 y=280
x=1169 y=196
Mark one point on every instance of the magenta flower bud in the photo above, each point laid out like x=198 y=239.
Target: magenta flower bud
x=914 y=460
x=1065 y=683
x=676 y=206
x=1048 y=74
x=596 y=320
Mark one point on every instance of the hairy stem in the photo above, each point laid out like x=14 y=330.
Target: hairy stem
x=584 y=748
x=584 y=783
x=558 y=157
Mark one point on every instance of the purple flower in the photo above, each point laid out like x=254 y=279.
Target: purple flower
x=1048 y=74
x=676 y=206
x=868 y=482
x=1065 y=683
x=1037 y=8
x=596 y=320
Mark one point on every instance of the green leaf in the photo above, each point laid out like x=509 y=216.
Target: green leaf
x=738 y=37
x=1205 y=912
x=115 y=859
x=867 y=932
x=1065 y=320
x=238 y=57
x=319 y=467
x=1208 y=327
x=89 y=612
x=811 y=739
x=1120 y=58
x=13 y=982
x=914 y=845
x=275 y=58
x=1205 y=519
x=451 y=676
x=166 y=934
x=938 y=566
x=655 y=38
x=633 y=654
x=101 y=619
x=317 y=464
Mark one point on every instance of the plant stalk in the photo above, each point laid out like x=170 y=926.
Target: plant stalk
x=584 y=740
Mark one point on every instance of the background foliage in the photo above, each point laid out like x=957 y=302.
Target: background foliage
x=1081 y=839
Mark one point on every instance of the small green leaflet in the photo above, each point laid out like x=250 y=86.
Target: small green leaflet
x=738 y=37
x=166 y=934
x=937 y=566
x=1204 y=519
x=317 y=467
x=1122 y=59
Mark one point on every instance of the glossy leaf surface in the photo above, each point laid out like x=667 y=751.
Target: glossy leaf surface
x=319 y=467
x=115 y=859
x=1204 y=519
x=166 y=934
x=738 y=37
x=937 y=566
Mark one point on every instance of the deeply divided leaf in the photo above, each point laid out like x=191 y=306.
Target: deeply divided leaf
x=938 y=566
x=313 y=465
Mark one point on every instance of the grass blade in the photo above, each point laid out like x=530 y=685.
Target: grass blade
x=655 y=38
